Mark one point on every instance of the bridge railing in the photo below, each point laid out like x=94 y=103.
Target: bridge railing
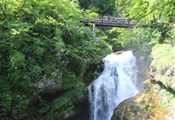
x=106 y=19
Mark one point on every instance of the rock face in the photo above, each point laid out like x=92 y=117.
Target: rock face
x=47 y=89
x=154 y=103
x=157 y=101
x=92 y=72
x=162 y=68
x=81 y=111
x=45 y=84
x=143 y=106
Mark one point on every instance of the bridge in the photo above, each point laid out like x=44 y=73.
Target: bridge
x=112 y=22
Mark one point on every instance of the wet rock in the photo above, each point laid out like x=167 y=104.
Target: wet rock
x=92 y=72
x=81 y=111
x=144 y=106
x=119 y=52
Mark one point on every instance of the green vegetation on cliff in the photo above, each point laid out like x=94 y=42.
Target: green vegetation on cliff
x=162 y=66
x=163 y=55
x=44 y=38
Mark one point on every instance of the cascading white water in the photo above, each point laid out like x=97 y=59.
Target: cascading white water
x=117 y=83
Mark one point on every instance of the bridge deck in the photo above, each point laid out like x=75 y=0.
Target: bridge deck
x=98 y=22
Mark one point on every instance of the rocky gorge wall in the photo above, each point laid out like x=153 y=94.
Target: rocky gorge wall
x=157 y=100
x=162 y=68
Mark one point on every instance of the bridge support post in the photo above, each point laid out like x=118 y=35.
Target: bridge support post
x=94 y=32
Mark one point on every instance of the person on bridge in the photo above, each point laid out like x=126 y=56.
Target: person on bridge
x=105 y=18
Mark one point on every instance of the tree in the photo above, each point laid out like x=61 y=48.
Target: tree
x=104 y=7
x=43 y=38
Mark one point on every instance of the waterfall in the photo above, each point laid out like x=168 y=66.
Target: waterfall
x=116 y=83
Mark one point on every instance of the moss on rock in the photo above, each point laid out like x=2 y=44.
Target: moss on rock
x=163 y=55
x=162 y=66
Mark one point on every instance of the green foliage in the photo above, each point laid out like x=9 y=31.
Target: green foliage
x=64 y=105
x=166 y=80
x=43 y=37
x=155 y=12
x=104 y=7
x=166 y=97
x=46 y=37
x=162 y=63
x=5 y=94
x=163 y=55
